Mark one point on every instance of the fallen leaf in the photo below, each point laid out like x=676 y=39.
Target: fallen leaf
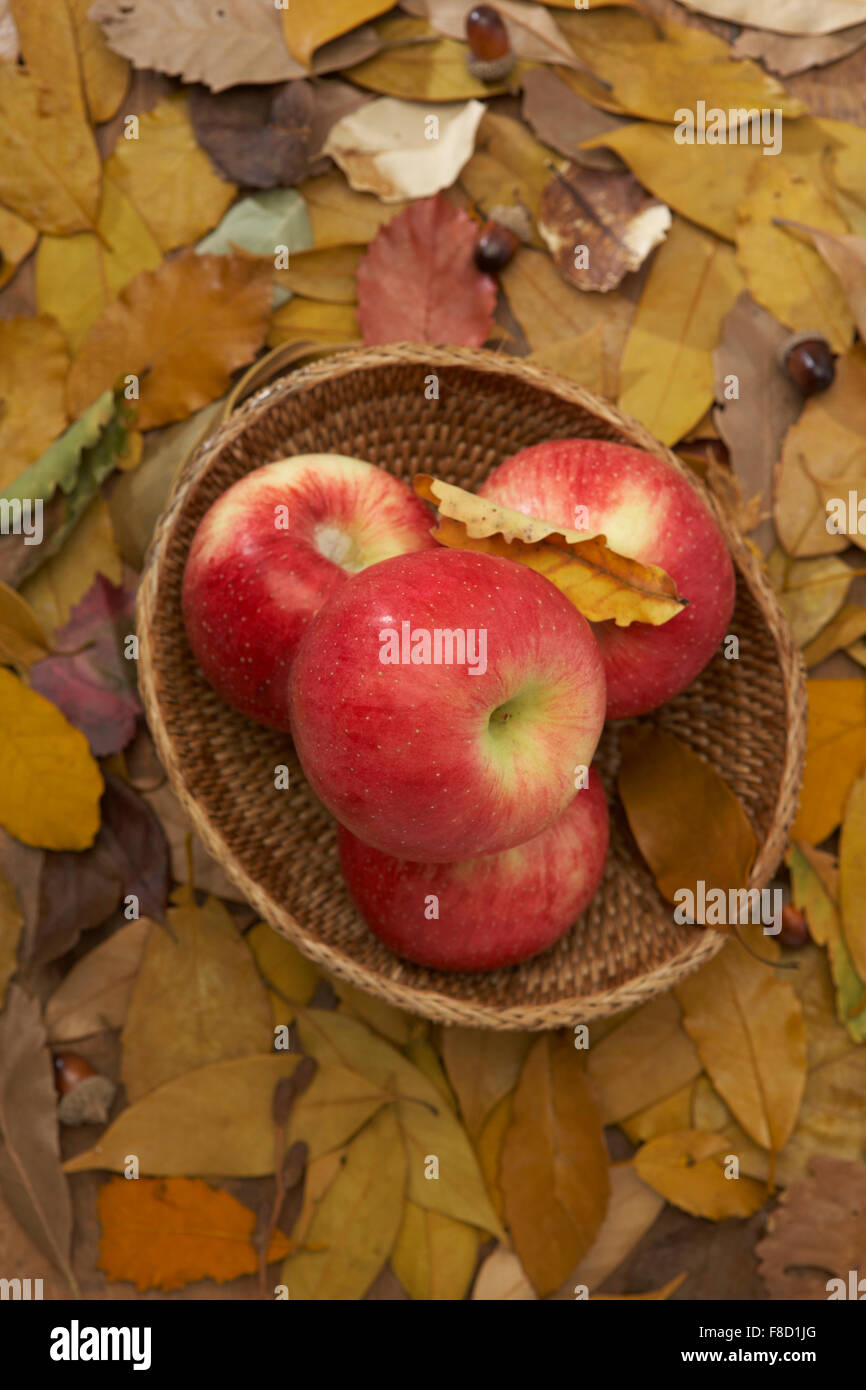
x=341 y=217
x=8 y=33
x=328 y=275
x=483 y=1066
x=11 y=923
x=846 y=627
x=811 y=592
x=66 y=51
x=631 y=1210
x=50 y=171
x=756 y=402
x=17 y=239
x=598 y=225
x=95 y=687
x=846 y=174
x=654 y=1295
x=219 y=303
x=823 y=455
x=583 y=359
x=786 y=16
x=357 y=1220
x=815 y=890
x=313 y=320
x=292 y=979
x=163 y=1233
x=80 y=890
x=31 y=1179
x=423 y=1055
x=222 y=43
x=262 y=224
x=687 y=1168
x=852 y=876
x=319 y=1175
x=257 y=136
x=502 y=1279
x=747 y=1024
x=549 y=311
x=787 y=55
x=49 y=784
x=689 y=825
x=554 y=1205
x=217 y=1120
x=428 y=1124
x=95 y=994
x=387 y=147
x=533 y=34
x=384 y=1018
x=846 y=258
x=599 y=582
x=416 y=64
x=307 y=27
x=23 y=640
x=818 y=1229
x=34 y=362
x=194 y=978
x=419 y=283
x=65 y=578
x=642 y=1060
x=666 y=372
x=488 y=1147
x=207 y=874
x=509 y=167
x=433 y=1256
x=784 y=273
x=835 y=755
x=663 y=1117
x=563 y=119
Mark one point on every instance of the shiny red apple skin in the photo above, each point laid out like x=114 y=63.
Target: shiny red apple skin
x=494 y=910
x=650 y=513
x=250 y=587
x=407 y=756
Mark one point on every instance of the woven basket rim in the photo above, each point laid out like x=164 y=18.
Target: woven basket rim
x=435 y=1004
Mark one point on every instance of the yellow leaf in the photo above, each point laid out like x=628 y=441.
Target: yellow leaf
x=488 y=1147
x=811 y=592
x=689 y=825
x=549 y=310
x=306 y=27
x=168 y=177
x=554 y=1208
x=60 y=582
x=219 y=1120
x=434 y=1257
x=66 y=51
x=17 y=239
x=11 y=922
x=384 y=1018
x=95 y=994
x=783 y=272
x=319 y=1175
x=509 y=166
x=747 y=1024
x=33 y=365
x=631 y=1210
x=823 y=455
x=194 y=977
x=583 y=359
x=662 y=1117
x=600 y=583
x=835 y=755
x=293 y=978
x=182 y=329
x=49 y=174
x=848 y=625
x=22 y=637
x=815 y=890
x=642 y=1061
x=357 y=1219
x=341 y=217
x=50 y=785
x=409 y=67
x=846 y=257
x=852 y=875
x=666 y=374
x=483 y=1066
x=685 y=1168
x=310 y=319
x=163 y=1233
x=423 y=1055
x=327 y=274
x=846 y=173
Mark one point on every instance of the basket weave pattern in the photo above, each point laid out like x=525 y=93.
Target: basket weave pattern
x=746 y=716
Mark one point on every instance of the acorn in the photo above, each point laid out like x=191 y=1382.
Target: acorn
x=810 y=364
x=85 y=1095
x=495 y=247
x=490 y=55
x=795 y=929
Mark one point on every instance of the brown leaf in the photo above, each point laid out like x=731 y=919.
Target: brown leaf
x=308 y=27
x=598 y=225
x=852 y=876
x=846 y=257
x=182 y=329
x=563 y=119
x=258 y=136
x=502 y=1279
x=31 y=1180
x=408 y=66
x=787 y=54
x=845 y=628
x=811 y=592
x=818 y=1230
x=631 y=1211
x=689 y=825
x=206 y=872
x=554 y=1164
x=641 y=1061
x=96 y=992
x=482 y=1065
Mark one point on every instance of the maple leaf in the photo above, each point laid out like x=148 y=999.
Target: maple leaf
x=94 y=687
x=419 y=283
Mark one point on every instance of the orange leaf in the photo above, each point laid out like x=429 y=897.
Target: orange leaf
x=162 y=1233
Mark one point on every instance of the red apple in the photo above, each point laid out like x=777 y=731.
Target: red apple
x=269 y=552
x=650 y=513
x=441 y=759
x=478 y=914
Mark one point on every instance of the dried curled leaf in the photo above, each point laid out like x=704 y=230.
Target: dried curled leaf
x=599 y=225
x=819 y=1230
x=385 y=148
x=598 y=581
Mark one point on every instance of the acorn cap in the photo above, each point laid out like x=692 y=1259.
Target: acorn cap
x=490 y=69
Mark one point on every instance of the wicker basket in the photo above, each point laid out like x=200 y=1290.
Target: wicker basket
x=747 y=717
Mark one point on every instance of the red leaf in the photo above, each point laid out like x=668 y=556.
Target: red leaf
x=95 y=689
x=418 y=282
